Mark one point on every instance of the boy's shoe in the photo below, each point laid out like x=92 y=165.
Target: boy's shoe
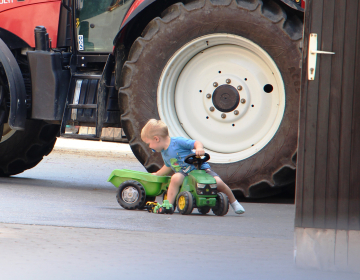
x=237 y=207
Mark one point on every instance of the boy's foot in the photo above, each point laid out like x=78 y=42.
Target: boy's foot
x=237 y=207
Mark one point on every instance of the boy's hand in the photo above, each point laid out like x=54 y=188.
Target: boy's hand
x=199 y=152
x=199 y=148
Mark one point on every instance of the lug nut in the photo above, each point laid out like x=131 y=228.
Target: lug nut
x=236 y=112
x=212 y=109
x=243 y=101
x=215 y=84
x=228 y=81
x=208 y=95
x=223 y=115
x=239 y=87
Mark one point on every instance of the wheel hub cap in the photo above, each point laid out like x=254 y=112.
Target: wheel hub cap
x=181 y=203
x=130 y=194
x=226 y=98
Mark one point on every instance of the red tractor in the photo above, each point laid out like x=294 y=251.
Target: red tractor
x=224 y=72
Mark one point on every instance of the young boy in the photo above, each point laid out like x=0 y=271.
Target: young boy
x=173 y=151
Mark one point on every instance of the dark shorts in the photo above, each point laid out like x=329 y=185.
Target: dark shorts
x=208 y=171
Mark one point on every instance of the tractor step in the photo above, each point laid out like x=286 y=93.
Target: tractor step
x=91 y=102
x=81 y=106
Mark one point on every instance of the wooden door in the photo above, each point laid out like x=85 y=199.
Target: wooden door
x=328 y=167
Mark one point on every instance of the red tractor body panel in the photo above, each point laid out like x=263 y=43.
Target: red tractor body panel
x=20 y=18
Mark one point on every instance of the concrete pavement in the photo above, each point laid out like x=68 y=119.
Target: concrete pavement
x=93 y=148
x=56 y=228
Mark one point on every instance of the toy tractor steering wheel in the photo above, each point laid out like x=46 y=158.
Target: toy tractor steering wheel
x=197 y=161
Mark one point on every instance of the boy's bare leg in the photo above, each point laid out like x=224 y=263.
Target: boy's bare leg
x=175 y=183
x=222 y=187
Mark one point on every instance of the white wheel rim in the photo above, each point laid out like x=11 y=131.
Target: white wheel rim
x=194 y=68
x=130 y=195
x=7 y=133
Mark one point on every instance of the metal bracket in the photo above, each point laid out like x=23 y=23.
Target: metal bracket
x=313 y=51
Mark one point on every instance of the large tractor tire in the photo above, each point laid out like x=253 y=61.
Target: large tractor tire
x=226 y=73
x=22 y=150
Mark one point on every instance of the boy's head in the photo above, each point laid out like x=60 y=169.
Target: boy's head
x=154 y=128
x=154 y=134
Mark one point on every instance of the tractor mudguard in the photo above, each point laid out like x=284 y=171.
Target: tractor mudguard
x=140 y=5
x=137 y=7
x=17 y=114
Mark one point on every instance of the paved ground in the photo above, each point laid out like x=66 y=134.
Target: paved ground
x=61 y=220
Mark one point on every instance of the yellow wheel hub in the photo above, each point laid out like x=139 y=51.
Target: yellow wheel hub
x=182 y=202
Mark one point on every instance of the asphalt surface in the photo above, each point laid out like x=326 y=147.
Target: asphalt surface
x=61 y=220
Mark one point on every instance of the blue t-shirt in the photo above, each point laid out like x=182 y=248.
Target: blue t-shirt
x=175 y=154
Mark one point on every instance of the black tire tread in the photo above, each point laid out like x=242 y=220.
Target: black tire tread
x=222 y=205
x=189 y=203
x=25 y=149
x=142 y=196
x=204 y=210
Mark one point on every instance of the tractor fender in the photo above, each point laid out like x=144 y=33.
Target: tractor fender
x=139 y=5
x=17 y=114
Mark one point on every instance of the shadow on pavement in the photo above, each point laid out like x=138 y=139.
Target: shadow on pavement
x=286 y=197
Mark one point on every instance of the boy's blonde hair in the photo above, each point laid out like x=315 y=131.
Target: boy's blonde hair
x=154 y=128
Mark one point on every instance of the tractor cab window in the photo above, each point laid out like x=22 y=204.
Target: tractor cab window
x=98 y=22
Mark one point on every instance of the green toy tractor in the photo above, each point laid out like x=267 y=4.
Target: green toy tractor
x=138 y=190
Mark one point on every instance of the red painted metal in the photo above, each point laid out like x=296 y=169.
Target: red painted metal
x=132 y=9
x=20 y=18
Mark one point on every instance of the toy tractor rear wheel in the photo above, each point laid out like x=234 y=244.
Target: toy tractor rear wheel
x=204 y=210
x=222 y=205
x=185 y=203
x=131 y=195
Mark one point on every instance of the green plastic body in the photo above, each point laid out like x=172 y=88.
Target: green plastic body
x=201 y=177
x=153 y=185
x=157 y=185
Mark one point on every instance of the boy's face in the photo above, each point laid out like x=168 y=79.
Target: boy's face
x=155 y=143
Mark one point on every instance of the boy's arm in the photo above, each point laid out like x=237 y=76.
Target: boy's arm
x=199 y=147
x=163 y=171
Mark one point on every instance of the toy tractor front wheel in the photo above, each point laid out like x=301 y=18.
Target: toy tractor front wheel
x=131 y=195
x=185 y=203
x=222 y=205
